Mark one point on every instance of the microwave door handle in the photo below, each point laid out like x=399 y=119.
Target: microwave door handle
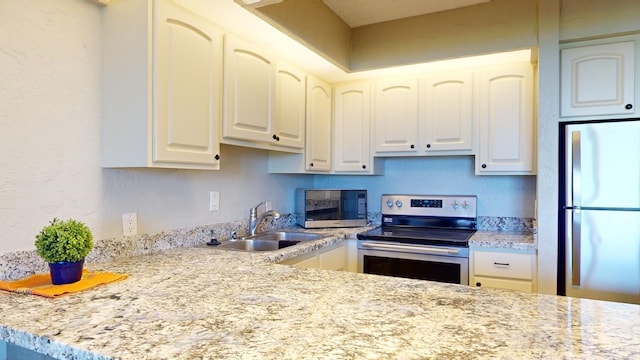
x=576 y=226
x=576 y=170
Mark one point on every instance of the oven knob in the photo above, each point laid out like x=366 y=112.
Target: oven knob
x=465 y=204
x=399 y=203
x=455 y=204
x=390 y=203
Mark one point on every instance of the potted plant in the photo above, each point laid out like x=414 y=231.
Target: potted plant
x=64 y=245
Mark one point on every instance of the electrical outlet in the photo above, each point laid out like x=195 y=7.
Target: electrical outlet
x=129 y=224
x=214 y=200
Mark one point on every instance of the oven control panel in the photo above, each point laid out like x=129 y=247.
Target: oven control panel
x=429 y=205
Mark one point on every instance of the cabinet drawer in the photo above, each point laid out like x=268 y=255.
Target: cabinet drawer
x=504 y=265
x=519 y=285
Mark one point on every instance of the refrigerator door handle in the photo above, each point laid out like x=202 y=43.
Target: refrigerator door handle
x=576 y=183
x=576 y=227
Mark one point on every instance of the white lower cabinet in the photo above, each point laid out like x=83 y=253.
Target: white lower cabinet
x=335 y=257
x=304 y=261
x=502 y=270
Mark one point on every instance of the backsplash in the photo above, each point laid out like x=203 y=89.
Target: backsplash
x=16 y=265
x=505 y=224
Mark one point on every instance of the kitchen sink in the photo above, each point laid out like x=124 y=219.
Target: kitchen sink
x=268 y=241
x=284 y=236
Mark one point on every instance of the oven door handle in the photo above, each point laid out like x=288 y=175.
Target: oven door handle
x=432 y=250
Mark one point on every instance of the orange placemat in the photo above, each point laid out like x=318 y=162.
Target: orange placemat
x=40 y=284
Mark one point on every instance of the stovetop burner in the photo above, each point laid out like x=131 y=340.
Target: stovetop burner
x=426 y=220
x=450 y=237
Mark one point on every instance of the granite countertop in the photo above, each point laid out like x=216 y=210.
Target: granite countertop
x=206 y=303
x=521 y=241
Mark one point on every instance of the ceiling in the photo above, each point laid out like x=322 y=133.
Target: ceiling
x=364 y=12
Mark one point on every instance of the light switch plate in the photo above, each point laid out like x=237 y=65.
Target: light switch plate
x=214 y=200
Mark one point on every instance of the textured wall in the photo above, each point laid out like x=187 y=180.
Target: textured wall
x=49 y=140
x=497 y=195
x=49 y=66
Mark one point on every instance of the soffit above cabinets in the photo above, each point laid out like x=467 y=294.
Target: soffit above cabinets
x=365 y=12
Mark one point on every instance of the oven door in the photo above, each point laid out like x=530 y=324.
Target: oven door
x=435 y=263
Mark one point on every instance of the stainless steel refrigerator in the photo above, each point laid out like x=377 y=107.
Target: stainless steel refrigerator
x=600 y=184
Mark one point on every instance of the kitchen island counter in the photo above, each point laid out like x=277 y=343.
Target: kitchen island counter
x=204 y=303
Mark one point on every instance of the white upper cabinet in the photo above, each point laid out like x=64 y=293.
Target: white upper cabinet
x=448 y=112
x=290 y=106
x=396 y=115
x=599 y=80
x=318 y=149
x=506 y=121
x=249 y=88
x=351 y=127
x=161 y=102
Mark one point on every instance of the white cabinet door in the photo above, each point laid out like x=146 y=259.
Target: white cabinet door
x=318 y=150
x=351 y=127
x=249 y=92
x=448 y=112
x=334 y=259
x=506 y=121
x=161 y=103
x=290 y=106
x=598 y=80
x=188 y=54
x=396 y=123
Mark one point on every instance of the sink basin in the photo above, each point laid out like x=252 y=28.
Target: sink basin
x=268 y=241
x=284 y=236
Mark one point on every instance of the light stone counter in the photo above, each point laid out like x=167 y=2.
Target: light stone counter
x=204 y=303
x=504 y=240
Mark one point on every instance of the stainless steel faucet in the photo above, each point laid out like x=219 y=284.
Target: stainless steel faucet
x=255 y=220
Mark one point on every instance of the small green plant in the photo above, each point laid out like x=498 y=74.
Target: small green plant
x=69 y=240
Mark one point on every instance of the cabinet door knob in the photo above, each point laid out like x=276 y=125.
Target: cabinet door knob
x=217 y=157
x=628 y=106
x=412 y=146
x=311 y=164
x=484 y=166
x=364 y=166
x=428 y=146
x=276 y=137
x=478 y=284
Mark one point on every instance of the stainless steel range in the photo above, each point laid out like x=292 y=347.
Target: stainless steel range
x=422 y=237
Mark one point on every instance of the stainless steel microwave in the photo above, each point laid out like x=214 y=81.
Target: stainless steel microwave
x=316 y=208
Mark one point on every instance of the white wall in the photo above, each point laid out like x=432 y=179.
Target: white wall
x=49 y=140
x=497 y=195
